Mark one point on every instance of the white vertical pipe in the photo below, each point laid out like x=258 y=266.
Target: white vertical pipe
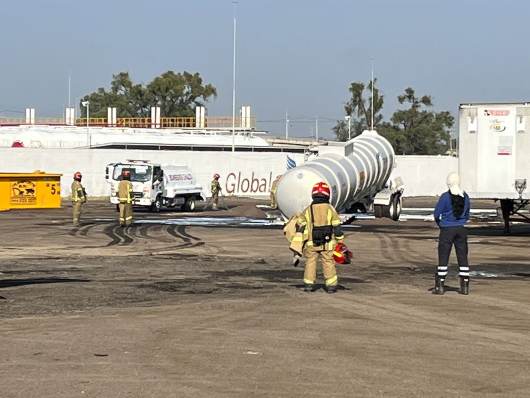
x=234 y=81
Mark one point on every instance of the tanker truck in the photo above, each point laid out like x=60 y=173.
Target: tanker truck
x=359 y=179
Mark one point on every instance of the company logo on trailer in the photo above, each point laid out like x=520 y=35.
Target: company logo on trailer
x=497 y=125
x=496 y=112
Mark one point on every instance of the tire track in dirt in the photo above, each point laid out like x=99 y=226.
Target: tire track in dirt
x=182 y=231
x=86 y=228
x=417 y=257
x=383 y=248
x=174 y=231
x=396 y=250
x=118 y=234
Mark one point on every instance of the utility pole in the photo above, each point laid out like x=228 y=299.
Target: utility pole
x=286 y=125
x=372 y=79
x=234 y=3
x=86 y=104
x=316 y=127
x=69 y=89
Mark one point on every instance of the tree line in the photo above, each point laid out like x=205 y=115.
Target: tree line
x=177 y=94
x=415 y=130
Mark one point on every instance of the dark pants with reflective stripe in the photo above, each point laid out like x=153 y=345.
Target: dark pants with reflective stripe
x=450 y=236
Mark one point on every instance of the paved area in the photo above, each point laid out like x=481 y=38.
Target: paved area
x=166 y=310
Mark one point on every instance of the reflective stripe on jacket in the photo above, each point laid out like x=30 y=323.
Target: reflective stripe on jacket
x=125 y=191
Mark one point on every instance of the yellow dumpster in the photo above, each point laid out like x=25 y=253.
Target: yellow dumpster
x=36 y=190
x=4 y=201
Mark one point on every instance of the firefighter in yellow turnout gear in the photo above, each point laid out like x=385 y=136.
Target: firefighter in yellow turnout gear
x=274 y=189
x=319 y=227
x=215 y=188
x=125 y=195
x=78 y=195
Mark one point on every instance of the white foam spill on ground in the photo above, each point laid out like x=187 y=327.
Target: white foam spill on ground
x=275 y=220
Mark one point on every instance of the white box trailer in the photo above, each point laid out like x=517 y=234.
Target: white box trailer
x=494 y=154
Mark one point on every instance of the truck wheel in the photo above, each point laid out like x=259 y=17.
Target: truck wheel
x=190 y=204
x=157 y=205
x=395 y=207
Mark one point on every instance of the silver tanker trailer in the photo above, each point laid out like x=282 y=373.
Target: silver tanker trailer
x=359 y=179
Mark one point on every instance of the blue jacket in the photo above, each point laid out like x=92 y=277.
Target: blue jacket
x=443 y=212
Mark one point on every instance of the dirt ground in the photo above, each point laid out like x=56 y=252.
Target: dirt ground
x=165 y=310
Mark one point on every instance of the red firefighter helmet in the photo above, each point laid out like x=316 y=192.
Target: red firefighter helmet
x=77 y=176
x=216 y=176
x=321 y=188
x=341 y=254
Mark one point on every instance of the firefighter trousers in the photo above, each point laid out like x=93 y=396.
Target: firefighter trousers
x=328 y=266
x=126 y=213
x=76 y=212
x=450 y=236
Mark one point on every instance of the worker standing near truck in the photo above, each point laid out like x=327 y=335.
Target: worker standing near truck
x=319 y=227
x=274 y=188
x=125 y=190
x=78 y=195
x=451 y=214
x=215 y=187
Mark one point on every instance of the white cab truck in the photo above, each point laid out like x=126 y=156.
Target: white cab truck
x=494 y=155
x=156 y=186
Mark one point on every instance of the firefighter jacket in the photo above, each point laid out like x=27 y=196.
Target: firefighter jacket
x=319 y=215
x=78 y=192
x=215 y=187
x=125 y=191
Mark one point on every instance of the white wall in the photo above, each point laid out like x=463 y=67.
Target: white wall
x=422 y=175
x=246 y=174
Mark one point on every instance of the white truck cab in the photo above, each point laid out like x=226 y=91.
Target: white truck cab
x=156 y=186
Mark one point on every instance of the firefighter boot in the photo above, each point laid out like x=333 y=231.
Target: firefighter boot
x=439 y=287
x=332 y=289
x=464 y=286
x=309 y=287
x=296 y=260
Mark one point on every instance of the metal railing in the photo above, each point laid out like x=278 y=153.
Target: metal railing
x=93 y=121
x=212 y=122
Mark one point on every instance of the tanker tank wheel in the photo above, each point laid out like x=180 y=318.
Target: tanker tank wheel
x=395 y=208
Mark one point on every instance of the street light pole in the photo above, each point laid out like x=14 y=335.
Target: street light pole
x=234 y=3
x=86 y=104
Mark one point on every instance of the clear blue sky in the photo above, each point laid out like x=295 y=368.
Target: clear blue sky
x=292 y=54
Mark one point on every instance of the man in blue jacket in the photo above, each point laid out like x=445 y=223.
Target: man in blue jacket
x=451 y=214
